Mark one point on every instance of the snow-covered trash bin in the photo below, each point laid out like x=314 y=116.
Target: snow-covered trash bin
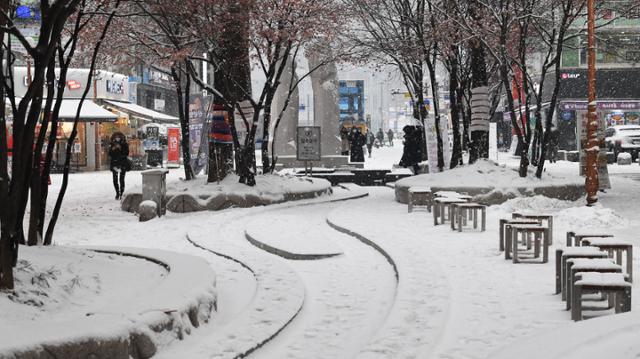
x=624 y=159
x=154 y=188
x=147 y=210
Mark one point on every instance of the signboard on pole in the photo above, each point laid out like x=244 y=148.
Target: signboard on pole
x=308 y=143
x=432 y=143
x=173 y=148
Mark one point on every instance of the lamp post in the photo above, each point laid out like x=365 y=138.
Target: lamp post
x=591 y=180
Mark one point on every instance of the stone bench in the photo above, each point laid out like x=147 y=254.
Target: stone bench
x=442 y=209
x=419 y=196
x=612 y=284
x=575 y=238
x=562 y=255
x=548 y=218
x=541 y=239
x=578 y=265
x=505 y=229
x=613 y=247
x=461 y=213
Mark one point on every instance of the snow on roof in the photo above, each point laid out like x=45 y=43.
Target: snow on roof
x=89 y=112
x=140 y=111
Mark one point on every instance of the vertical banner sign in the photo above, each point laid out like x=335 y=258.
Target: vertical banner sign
x=493 y=141
x=196 y=124
x=173 y=148
x=308 y=143
x=432 y=143
x=444 y=134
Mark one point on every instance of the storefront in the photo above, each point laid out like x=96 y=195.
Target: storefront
x=618 y=101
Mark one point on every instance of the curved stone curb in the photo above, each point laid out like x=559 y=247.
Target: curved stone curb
x=491 y=196
x=185 y=299
x=278 y=300
x=285 y=254
x=368 y=242
x=185 y=203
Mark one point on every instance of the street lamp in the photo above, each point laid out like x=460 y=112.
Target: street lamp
x=591 y=180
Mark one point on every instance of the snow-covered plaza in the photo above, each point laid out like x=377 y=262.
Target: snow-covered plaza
x=346 y=275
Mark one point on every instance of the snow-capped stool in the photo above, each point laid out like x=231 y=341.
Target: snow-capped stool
x=463 y=212
x=562 y=255
x=612 y=246
x=541 y=239
x=608 y=283
x=578 y=265
x=442 y=209
x=548 y=218
x=505 y=229
x=419 y=196
x=575 y=238
x=452 y=194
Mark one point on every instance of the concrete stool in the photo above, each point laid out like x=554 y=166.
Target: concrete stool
x=442 y=209
x=578 y=265
x=505 y=229
x=419 y=196
x=608 y=283
x=561 y=263
x=461 y=212
x=525 y=230
x=612 y=247
x=575 y=238
x=539 y=216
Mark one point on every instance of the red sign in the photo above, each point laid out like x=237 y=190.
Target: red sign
x=73 y=84
x=173 y=139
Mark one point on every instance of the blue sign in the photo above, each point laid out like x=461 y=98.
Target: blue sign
x=567 y=115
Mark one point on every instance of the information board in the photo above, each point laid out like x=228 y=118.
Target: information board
x=308 y=143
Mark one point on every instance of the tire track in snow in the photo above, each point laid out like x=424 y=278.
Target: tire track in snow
x=348 y=296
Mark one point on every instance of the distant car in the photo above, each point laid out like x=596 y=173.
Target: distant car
x=623 y=138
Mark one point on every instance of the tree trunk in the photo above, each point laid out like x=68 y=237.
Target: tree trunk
x=456 y=153
x=183 y=114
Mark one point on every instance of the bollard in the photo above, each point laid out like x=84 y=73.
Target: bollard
x=154 y=188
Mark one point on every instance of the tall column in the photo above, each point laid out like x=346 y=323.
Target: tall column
x=324 y=83
x=285 y=136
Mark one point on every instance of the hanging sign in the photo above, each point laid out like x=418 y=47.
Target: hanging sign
x=173 y=148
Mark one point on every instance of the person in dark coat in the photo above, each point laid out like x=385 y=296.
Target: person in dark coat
x=119 y=152
x=344 y=141
x=412 y=151
x=357 y=140
x=380 y=138
x=552 y=145
x=390 y=135
x=370 y=140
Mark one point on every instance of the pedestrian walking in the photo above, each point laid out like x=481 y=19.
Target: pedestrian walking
x=552 y=145
x=118 y=152
x=380 y=138
x=390 y=135
x=370 y=141
x=344 y=140
x=356 y=140
x=412 y=151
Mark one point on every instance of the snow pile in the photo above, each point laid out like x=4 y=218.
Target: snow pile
x=487 y=174
x=539 y=204
x=595 y=217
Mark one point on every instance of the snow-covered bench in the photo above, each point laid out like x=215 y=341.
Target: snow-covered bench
x=505 y=230
x=541 y=239
x=563 y=254
x=463 y=212
x=548 y=218
x=612 y=246
x=608 y=283
x=575 y=238
x=581 y=265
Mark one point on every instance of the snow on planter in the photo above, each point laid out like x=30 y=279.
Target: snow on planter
x=103 y=302
x=198 y=195
x=491 y=183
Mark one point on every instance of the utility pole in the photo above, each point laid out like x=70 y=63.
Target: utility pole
x=591 y=181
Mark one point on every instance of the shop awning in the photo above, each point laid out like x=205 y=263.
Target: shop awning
x=142 y=112
x=90 y=112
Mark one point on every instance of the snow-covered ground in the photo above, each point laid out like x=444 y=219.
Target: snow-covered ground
x=398 y=288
